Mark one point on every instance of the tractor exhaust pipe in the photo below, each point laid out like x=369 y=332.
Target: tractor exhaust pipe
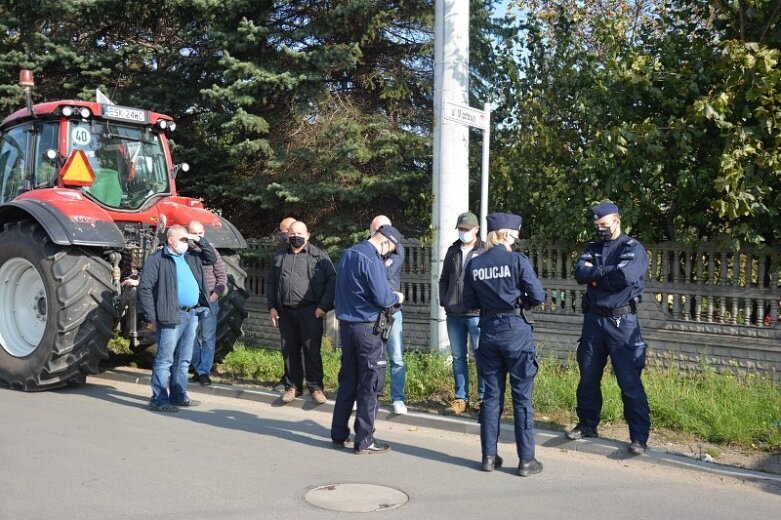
x=27 y=82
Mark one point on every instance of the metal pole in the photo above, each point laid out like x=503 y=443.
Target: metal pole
x=484 y=172
x=451 y=145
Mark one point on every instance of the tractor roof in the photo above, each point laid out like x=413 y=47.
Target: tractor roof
x=51 y=109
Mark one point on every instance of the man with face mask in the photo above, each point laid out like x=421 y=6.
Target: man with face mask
x=362 y=293
x=462 y=323
x=395 y=345
x=613 y=269
x=172 y=290
x=283 y=244
x=300 y=291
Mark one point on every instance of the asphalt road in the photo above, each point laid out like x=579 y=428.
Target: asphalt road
x=95 y=451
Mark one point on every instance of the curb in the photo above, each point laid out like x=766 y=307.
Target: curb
x=546 y=438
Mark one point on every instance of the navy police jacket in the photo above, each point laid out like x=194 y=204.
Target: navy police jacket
x=362 y=288
x=613 y=271
x=499 y=279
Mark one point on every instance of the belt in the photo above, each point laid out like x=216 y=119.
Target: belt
x=494 y=312
x=185 y=308
x=356 y=323
x=299 y=306
x=606 y=311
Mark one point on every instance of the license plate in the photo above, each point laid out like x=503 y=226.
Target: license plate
x=135 y=115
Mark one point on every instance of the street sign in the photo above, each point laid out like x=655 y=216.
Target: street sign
x=465 y=115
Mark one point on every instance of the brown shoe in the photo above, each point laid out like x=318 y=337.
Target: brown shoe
x=319 y=397
x=289 y=395
x=457 y=407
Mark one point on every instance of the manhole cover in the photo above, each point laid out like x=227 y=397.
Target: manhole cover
x=356 y=498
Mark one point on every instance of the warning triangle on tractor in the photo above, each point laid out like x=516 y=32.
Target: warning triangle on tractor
x=77 y=170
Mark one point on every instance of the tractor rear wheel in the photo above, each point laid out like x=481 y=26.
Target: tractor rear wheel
x=56 y=309
x=233 y=309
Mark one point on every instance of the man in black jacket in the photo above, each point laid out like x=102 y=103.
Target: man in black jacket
x=461 y=322
x=172 y=288
x=300 y=291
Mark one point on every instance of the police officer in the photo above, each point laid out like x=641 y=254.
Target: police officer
x=362 y=294
x=501 y=283
x=613 y=269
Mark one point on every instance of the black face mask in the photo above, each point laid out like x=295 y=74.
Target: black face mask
x=297 y=242
x=604 y=233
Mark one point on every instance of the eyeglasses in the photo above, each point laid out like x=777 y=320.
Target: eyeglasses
x=515 y=235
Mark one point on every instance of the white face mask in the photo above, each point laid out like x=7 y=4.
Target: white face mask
x=181 y=248
x=465 y=236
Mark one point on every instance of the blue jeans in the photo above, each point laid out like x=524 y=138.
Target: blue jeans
x=398 y=373
x=174 y=351
x=458 y=327
x=205 y=345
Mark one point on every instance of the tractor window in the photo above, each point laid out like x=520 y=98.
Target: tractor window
x=12 y=152
x=128 y=162
x=46 y=169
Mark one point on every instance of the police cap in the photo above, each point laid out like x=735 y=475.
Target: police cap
x=391 y=233
x=503 y=221
x=604 y=209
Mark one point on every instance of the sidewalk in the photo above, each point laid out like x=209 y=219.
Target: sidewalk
x=550 y=439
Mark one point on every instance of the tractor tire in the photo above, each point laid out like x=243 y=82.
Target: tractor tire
x=230 y=317
x=233 y=309
x=57 y=311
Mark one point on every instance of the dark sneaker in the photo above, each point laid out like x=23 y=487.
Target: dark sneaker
x=340 y=445
x=581 y=431
x=529 y=467
x=204 y=379
x=195 y=378
x=160 y=407
x=491 y=461
x=637 y=448
x=374 y=448
x=188 y=403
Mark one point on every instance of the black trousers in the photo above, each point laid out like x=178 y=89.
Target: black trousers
x=361 y=379
x=302 y=336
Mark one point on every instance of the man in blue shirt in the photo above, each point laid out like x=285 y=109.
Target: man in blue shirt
x=613 y=269
x=171 y=290
x=362 y=293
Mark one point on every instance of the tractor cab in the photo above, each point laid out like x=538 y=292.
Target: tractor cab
x=117 y=156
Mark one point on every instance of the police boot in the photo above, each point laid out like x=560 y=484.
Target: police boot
x=529 y=467
x=491 y=461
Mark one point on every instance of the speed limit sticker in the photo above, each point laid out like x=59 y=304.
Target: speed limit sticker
x=81 y=136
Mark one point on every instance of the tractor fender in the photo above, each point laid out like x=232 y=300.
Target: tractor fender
x=67 y=220
x=226 y=236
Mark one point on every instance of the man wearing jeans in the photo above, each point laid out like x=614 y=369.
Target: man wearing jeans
x=172 y=288
x=216 y=285
x=398 y=374
x=461 y=322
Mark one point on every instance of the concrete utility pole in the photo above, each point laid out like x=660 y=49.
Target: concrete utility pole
x=451 y=144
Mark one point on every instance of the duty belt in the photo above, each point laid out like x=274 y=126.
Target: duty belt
x=494 y=312
x=607 y=311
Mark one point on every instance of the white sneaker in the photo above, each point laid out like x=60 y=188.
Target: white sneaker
x=399 y=407
x=355 y=406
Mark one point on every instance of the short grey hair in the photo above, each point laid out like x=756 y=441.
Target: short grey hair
x=175 y=227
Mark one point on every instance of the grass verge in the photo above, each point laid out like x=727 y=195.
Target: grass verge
x=721 y=408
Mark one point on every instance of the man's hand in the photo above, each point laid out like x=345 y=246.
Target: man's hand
x=274 y=317
x=400 y=296
x=319 y=313
x=152 y=325
x=214 y=297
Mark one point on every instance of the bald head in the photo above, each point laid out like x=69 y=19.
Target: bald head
x=285 y=224
x=196 y=228
x=378 y=222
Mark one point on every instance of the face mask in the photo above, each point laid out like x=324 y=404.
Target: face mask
x=604 y=233
x=297 y=242
x=181 y=248
x=465 y=236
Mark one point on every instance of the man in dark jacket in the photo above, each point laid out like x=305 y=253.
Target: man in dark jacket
x=461 y=321
x=171 y=291
x=300 y=291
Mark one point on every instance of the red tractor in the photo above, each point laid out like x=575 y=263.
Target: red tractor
x=87 y=190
